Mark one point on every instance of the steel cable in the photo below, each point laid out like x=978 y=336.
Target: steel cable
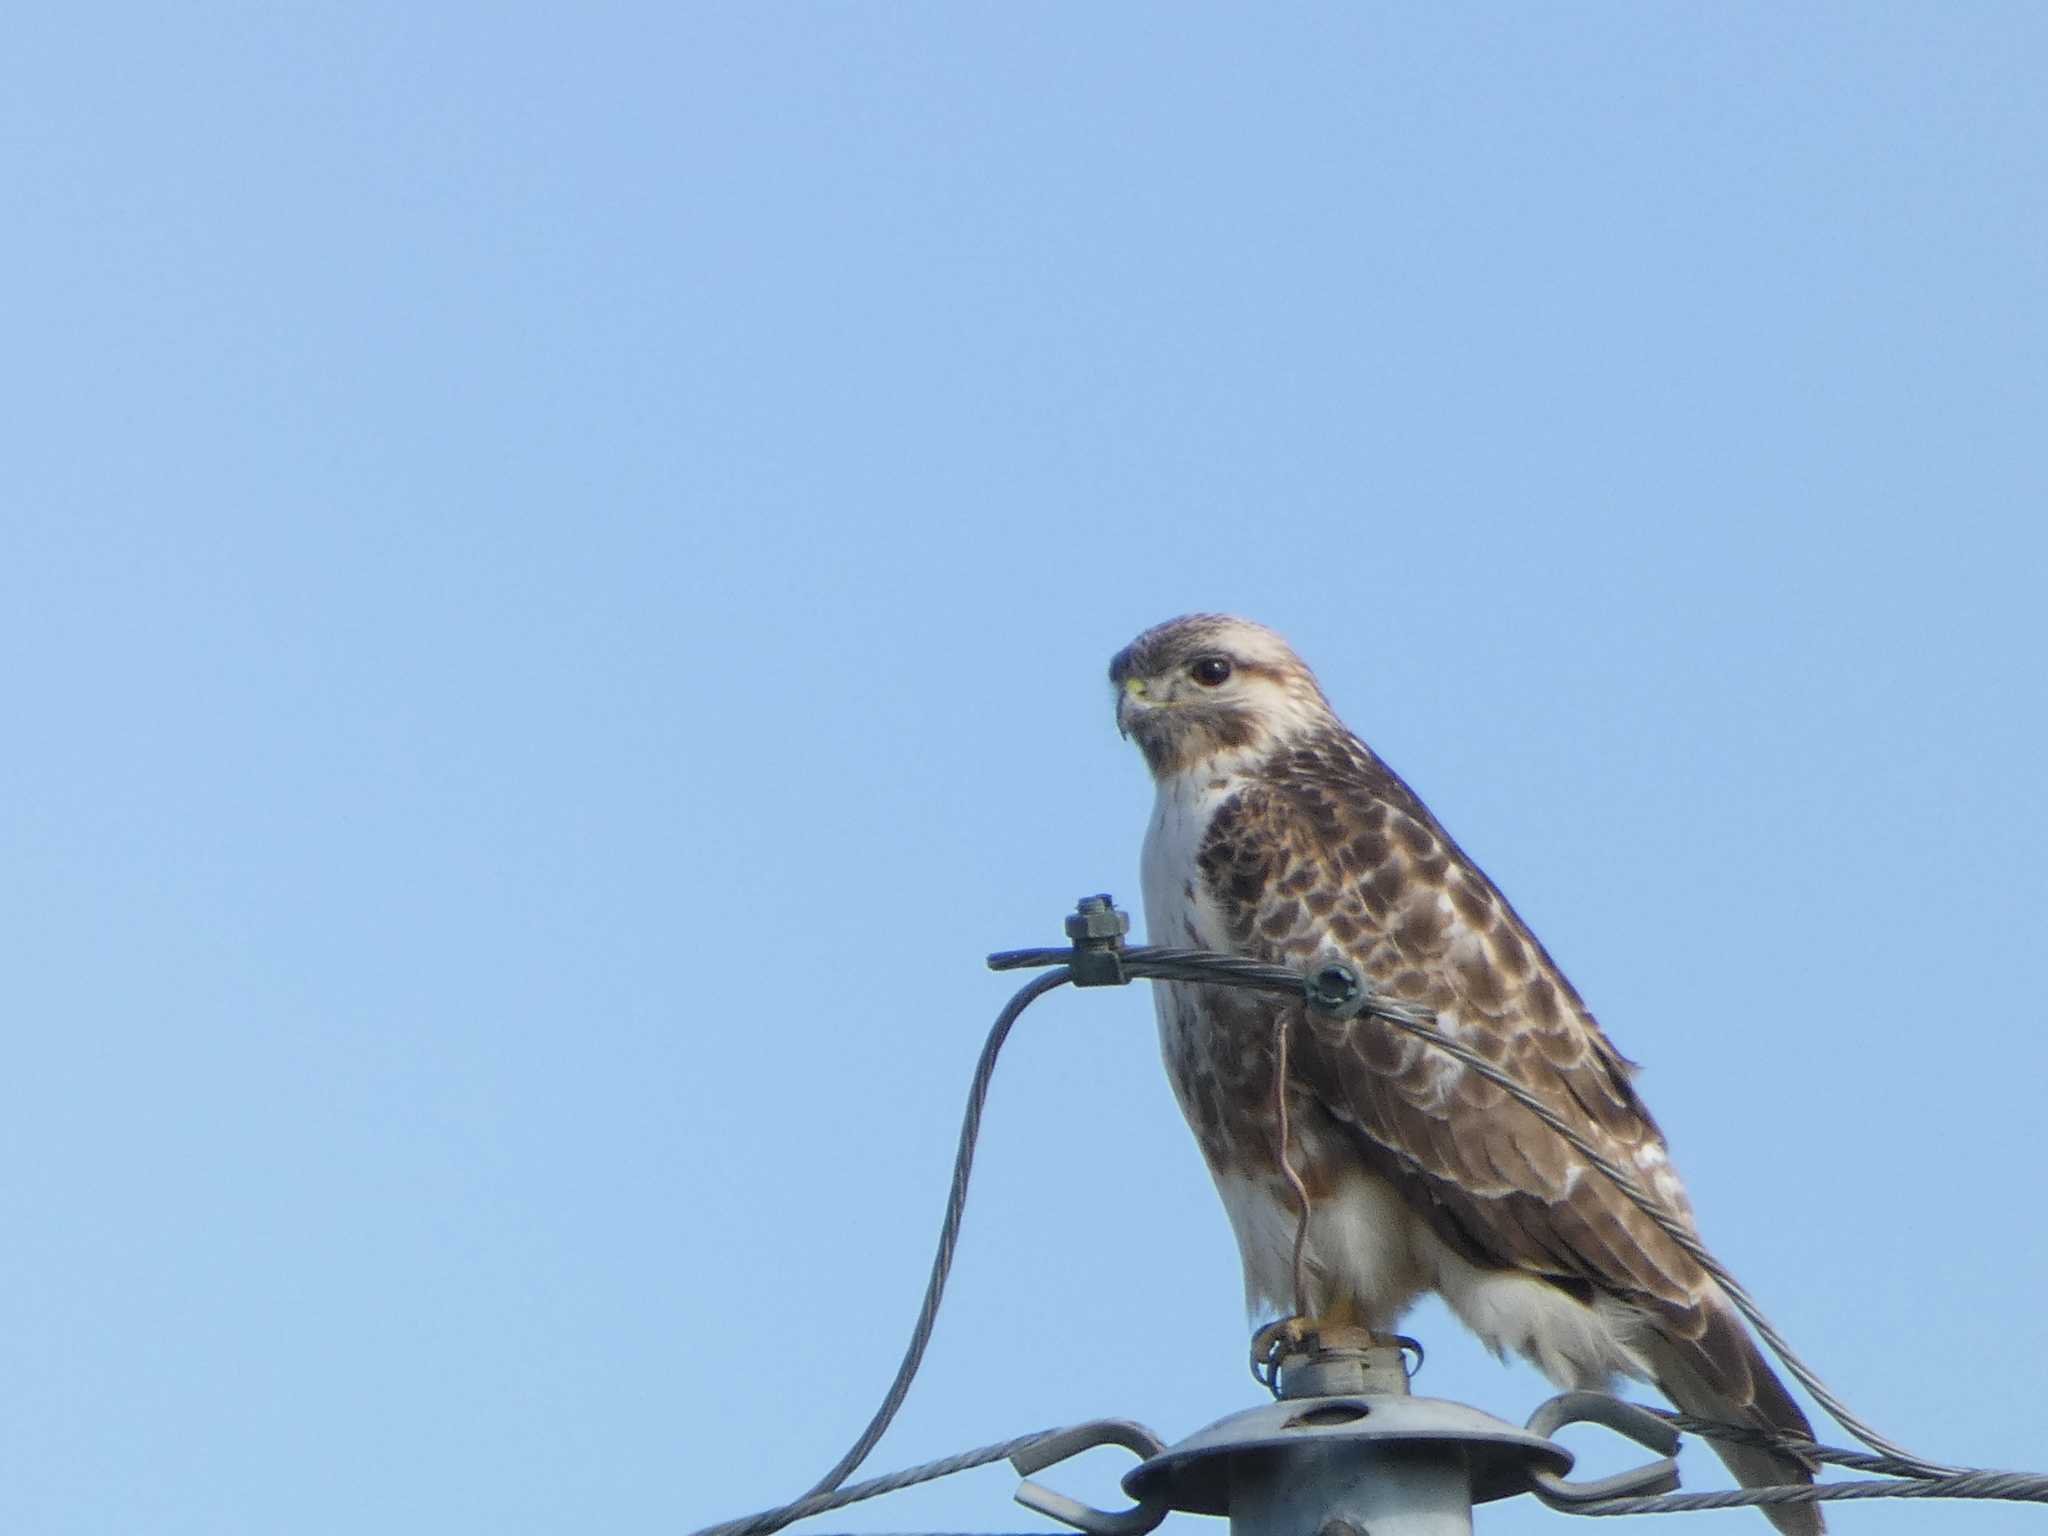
x=817 y=1502
x=822 y=1495
x=1232 y=970
x=2014 y=1487
x=1912 y=1476
x=1903 y=1480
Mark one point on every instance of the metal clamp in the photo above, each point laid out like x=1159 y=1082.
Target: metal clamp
x=1097 y=928
x=1135 y=1438
x=1631 y=1421
x=1335 y=987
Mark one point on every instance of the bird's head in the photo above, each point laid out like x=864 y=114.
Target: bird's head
x=1205 y=686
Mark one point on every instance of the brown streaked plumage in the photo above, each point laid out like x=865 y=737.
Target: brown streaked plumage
x=1278 y=834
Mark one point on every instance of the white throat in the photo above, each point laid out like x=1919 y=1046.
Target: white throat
x=1178 y=908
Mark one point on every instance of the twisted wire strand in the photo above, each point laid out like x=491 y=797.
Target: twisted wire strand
x=818 y=1502
x=1797 y=1445
x=942 y=1262
x=1911 y=1476
x=1900 y=1480
x=1231 y=970
x=2015 y=1487
x=1685 y=1238
x=1303 y=1203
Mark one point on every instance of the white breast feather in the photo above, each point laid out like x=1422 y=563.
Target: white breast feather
x=1170 y=863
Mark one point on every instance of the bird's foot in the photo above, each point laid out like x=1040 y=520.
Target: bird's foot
x=1308 y=1336
x=1273 y=1343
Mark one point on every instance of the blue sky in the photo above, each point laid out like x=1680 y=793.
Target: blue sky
x=559 y=567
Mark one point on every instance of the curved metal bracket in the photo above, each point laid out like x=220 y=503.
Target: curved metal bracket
x=1135 y=1438
x=1631 y=1421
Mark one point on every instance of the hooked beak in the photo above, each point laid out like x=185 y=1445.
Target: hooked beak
x=1135 y=700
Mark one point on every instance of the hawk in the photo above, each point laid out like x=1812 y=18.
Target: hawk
x=1279 y=835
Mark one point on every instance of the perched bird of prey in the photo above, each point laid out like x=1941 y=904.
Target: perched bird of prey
x=1279 y=835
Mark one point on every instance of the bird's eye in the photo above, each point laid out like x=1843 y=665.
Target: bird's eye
x=1210 y=671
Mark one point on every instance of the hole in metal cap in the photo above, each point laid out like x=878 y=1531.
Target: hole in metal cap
x=1328 y=1416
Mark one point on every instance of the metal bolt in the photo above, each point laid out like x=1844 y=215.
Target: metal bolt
x=1097 y=930
x=1096 y=918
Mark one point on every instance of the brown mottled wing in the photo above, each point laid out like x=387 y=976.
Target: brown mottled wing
x=1331 y=850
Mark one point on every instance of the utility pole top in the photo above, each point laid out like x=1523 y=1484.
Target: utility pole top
x=1346 y=1451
